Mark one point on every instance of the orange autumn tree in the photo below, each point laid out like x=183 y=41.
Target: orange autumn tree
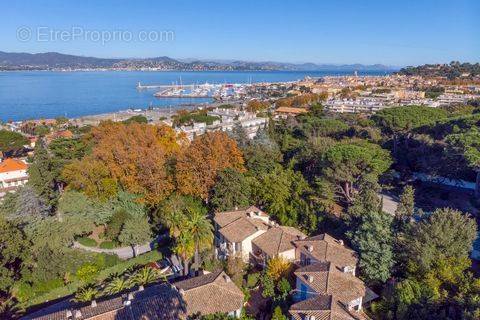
x=255 y=105
x=92 y=177
x=137 y=157
x=199 y=164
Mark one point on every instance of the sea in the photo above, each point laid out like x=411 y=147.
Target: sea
x=48 y=94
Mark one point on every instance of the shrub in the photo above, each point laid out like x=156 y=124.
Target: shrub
x=210 y=262
x=278 y=315
x=235 y=269
x=108 y=244
x=111 y=260
x=268 y=286
x=252 y=280
x=88 y=242
x=86 y=294
x=278 y=268
x=283 y=288
x=87 y=272
x=116 y=223
x=23 y=292
x=104 y=260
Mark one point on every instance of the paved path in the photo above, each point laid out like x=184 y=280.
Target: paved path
x=122 y=253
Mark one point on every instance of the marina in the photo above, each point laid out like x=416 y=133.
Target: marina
x=49 y=94
x=207 y=90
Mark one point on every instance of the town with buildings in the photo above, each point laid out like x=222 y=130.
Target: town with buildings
x=319 y=274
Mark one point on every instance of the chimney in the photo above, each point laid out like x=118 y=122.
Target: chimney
x=141 y=288
x=94 y=303
x=181 y=291
x=310 y=248
x=78 y=314
x=130 y=296
x=69 y=314
x=310 y=278
x=226 y=278
x=341 y=242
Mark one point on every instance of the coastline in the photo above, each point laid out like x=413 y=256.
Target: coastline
x=82 y=94
x=153 y=115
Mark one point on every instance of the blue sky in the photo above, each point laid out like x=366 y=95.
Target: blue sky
x=389 y=32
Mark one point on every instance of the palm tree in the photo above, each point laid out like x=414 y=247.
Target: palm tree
x=9 y=309
x=201 y=230
x=184 y=247
x=173 y=216
x=144 y=276
x=86 y=293
x=117 y=285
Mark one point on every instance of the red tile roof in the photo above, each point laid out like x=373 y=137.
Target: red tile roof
x=9 y=165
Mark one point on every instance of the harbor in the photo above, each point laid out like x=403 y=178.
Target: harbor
x=206 y=90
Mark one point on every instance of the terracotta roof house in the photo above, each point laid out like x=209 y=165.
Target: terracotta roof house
x=153 y=303
x=277 y=241
x=235 y=230
x=13 y=173
x=66 y=134
x=206 y=294
x=211 y=293
x=324 y=247
x=324 y=278
x=284 y=112
x=323 y=307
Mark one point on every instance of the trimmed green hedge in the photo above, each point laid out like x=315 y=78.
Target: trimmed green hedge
x=88 y=242
x=108 y=245
x=252 y=280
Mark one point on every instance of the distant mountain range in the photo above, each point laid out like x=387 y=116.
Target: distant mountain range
x=59 y=61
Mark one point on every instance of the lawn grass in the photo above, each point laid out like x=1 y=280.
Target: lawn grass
x=87 y=242
x=101 y=276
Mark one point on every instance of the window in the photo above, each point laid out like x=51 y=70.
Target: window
x=304 y=260
x=303 y=292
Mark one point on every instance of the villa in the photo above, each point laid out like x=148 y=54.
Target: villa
x=202 y=295
x=277 y=241
x=323 y=248
x=13 y=173
x=324 y=288
x=235 y=230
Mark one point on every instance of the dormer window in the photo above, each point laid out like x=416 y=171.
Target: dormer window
x=355 y=304
x=349 y=269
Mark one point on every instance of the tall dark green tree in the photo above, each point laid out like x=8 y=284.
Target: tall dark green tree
x=232 y=189
x=405 y=208
x=371 y=234
x=286 y=195
x=11 y=142
x=13 y=250
x=467 y=145
x=397 y=122
x=447 y=233
x=240 y=135
x=347 y=163
x=42 y=175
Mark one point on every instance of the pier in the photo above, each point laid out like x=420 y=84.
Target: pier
x=164 y=86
